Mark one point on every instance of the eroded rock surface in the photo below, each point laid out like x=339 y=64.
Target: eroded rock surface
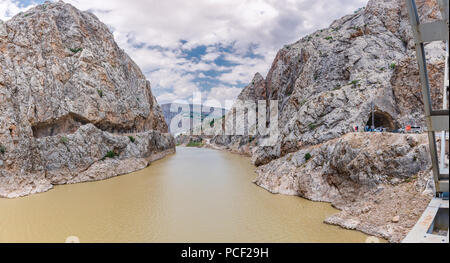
x=68 y=97
x=245 y=143
x=356 y=172
x=326 y=84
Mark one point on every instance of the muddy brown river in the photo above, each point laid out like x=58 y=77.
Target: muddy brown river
x=197 y=195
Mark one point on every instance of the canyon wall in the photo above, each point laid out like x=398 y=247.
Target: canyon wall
x=74 y=107
x=326 y=84
x=381 y=182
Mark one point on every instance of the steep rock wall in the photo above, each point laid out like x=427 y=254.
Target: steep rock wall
x=68 y=96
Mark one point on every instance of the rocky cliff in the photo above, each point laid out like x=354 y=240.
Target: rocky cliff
x=326 y=84
x=73 y=106
x=372 y=179
x=242 y=144
x=327 y=81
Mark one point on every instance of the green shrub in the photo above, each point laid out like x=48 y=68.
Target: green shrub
x=411 y=179
x=194 y=144
x=308 y=157
x=355 y=82
x=393 y=66
x=312 y=126
x=359 y=9
x=329 y=38
x=64 y=140
x=76 y=50
x=110 y=154
x=100 y=93
x=132 y=139
x=316 y=76
x=2 y=149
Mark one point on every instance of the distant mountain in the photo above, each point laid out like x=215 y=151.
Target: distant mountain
x=168 y=115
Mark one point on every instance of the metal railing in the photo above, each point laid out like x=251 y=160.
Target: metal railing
x=437 y=120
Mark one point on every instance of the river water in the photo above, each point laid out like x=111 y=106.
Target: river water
x=197 y=195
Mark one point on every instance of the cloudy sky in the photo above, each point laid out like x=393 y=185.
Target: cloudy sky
x=212 y=46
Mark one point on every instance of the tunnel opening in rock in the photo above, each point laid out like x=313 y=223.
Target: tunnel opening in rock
x=66 y=125
x=71 y=122
x=381 y=120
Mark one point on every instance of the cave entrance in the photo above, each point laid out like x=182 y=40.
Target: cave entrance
x=381 y=120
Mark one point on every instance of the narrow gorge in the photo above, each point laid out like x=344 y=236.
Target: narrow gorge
x=75 y=108
x=327 y=84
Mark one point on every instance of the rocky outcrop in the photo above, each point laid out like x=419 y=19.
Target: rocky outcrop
x=342 y=70
x=74 y=107
x=326 y=84
x=372 y=178
x=255 y=91
x=241 y=144
x=406 y=86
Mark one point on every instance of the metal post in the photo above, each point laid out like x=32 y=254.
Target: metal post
x=437 y=121
x=443 y=168
x=373 y=117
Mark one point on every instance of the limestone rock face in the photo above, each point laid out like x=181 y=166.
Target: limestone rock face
x=340 y=71
x=242 y=144
x=68 y=96
x=358 y=171
x=326 y=82
x=333 y=171
x=254 y=91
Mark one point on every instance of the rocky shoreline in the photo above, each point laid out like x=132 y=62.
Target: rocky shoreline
x=381 y=182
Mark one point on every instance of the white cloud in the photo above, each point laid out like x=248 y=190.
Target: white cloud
x=174 y=26
x=211 y=56
x=9 y=8
x=223 y=94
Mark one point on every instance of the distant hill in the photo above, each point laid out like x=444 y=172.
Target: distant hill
x=168 y=115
